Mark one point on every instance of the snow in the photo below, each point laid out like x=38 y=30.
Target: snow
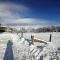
x=45 y=36
x=21 y=47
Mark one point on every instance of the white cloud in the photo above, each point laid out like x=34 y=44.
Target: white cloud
x=32 y=21
x=10 y=12
x=13 y=13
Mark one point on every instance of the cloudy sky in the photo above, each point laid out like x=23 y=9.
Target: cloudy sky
x=32 y=12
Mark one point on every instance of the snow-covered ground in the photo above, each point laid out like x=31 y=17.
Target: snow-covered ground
x=4 y=38
x=46 y=37
x=21 y=47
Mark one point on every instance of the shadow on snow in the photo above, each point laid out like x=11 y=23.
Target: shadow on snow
x=9 y=52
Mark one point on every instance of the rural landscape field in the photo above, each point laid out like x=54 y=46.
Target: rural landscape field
x=20 y=48
x=29 y=29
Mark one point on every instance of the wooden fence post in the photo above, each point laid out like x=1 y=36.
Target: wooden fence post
x=50 y=37
x=21 y=34
x=32 y=38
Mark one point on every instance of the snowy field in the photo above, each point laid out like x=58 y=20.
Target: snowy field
x=45 y=36
x=4 y=38
x=21 y=46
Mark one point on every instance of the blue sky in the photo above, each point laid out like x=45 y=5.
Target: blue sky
x=43 y=12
